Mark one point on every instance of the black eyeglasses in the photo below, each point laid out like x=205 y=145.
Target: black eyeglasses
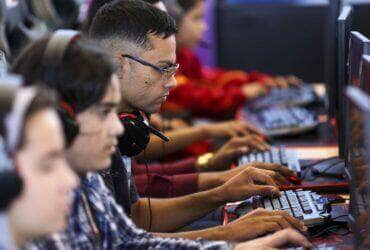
x=166 y=72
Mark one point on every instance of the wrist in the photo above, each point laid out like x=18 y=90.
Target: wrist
x=219 y=195
x=204 y=132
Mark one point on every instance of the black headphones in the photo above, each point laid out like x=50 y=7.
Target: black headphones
x=11 y=183
x=137 y=133
x=52 y=60
x=55 y=13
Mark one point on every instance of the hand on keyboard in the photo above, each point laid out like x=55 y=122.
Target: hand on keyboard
x=260 y=222
x=248 y=183
x=230 y=152
x=276 y=241
x=282 y=174
x=274 y=173
x=253 y=90
x=229 y=129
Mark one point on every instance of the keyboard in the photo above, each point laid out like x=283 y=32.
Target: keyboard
x=292 y=96
x=303 y=205
x=280 y=121
x=278 y=155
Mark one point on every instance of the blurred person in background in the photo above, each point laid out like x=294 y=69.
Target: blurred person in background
x=209 y=92
x=36 y=190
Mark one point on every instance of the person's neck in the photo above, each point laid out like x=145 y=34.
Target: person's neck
x=18 y=237
x=125 y=108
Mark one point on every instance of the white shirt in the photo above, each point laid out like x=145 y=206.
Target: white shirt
x=6 y=241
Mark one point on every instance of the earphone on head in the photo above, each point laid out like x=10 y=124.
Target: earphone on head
x=14 y=103
x=137 y=133
x=52 y=60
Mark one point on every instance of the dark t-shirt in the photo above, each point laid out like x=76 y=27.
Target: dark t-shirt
x=119 y=180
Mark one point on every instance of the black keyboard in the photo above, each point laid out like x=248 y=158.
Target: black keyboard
x=292 y=96
x=303 y=205
x=278 y=155
x=280 y=121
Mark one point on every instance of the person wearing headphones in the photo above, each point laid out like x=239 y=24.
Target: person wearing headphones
x=90 y=99
x=36 y=183
x=185 y=176
x=144 y=49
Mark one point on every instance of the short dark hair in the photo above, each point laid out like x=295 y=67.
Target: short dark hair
x=133 y=21
x=94 y=7
x=82 y=77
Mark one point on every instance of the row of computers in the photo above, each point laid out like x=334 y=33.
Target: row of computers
x=350 y=107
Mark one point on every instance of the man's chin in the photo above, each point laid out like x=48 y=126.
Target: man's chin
x=104 y=165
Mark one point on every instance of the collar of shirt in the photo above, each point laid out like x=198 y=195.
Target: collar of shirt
x=6 y=240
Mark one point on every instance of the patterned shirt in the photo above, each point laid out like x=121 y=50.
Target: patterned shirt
x=116 y=230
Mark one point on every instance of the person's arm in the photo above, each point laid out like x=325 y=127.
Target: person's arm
x=257 y=223
x=171 y=214
x=179 y=139
x=183 y=166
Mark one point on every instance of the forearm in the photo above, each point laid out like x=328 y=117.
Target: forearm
x=213 y=233
x=179 y=139
x=207 y=181
x=171 y=214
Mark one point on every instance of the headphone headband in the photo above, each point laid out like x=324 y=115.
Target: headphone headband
x=14 y=120
x=57 y=46
x=45 y=10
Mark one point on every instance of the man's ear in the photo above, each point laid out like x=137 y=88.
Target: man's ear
x=123 y=66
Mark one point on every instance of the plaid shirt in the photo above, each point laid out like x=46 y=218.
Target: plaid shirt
x=117 y=231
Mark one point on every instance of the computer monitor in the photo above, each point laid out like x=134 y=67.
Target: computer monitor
x=331 y=56
x=359 y=46
x=358 y=162
x=365 y=73
x=343 y=29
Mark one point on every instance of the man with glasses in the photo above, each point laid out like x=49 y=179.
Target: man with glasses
x=141 y=39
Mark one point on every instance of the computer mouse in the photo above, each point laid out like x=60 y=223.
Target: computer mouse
x=333 y=168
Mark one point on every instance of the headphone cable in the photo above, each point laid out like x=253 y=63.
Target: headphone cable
x=149 y=202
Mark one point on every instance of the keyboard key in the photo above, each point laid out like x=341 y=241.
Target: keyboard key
x=284 y=202
x=293 y=200
x=259 y=157
x=266 y=157
x=276 y=204
x=267 y=204
x=252 y=158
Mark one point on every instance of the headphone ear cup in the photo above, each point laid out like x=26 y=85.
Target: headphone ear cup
x=11 y=186
x=135 y=139
x=70 y=126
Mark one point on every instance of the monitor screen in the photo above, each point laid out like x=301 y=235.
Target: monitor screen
x=344 y=28
x=359 y=110
x=359 y=45
x=365 y=73
x=331 y=56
